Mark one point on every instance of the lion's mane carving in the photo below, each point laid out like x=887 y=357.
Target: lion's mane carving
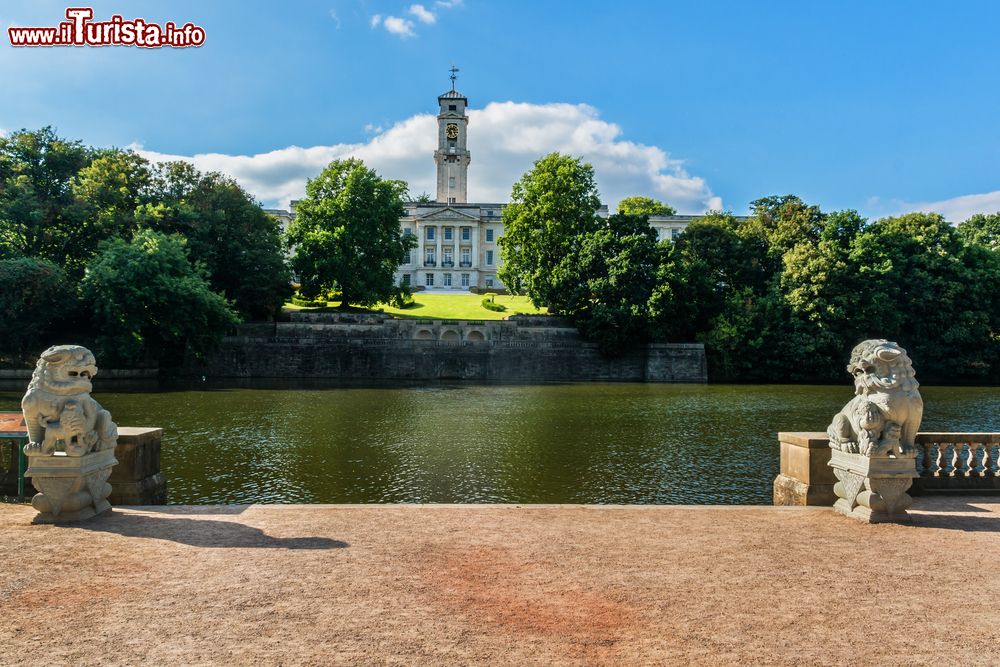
x=58 y=406
x=884 y=416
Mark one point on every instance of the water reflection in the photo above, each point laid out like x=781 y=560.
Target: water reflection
x=582 y=443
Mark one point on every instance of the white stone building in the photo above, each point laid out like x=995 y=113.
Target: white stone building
x=457 y=240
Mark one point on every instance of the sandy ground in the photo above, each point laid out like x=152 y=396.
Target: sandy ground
x=524 y=585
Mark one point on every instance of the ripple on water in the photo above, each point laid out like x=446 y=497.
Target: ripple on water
x=584 y=443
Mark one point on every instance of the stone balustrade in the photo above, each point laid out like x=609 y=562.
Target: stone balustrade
x=955 y=462
x=958 y=461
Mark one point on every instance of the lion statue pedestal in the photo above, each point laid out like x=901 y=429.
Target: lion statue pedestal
x=874 y=454
x=72 y=438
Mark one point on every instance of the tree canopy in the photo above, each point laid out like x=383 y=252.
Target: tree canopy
x=551 y=208
x=346 y=234
x=639 y=205
x=148 y=300
x=61 y=200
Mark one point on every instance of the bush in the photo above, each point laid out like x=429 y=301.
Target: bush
x=308 y=303
x=407 y=301
x=489 y=304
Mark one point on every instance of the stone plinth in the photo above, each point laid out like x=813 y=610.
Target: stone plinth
x=873 y=489
x=806 y=477
x=137 y=479
x=71 y=488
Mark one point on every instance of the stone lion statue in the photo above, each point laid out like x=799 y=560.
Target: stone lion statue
x=883 y=417
x=58 y=406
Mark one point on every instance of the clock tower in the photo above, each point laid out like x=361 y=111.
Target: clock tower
x=452 y=155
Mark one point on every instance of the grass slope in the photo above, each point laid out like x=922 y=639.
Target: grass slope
x=459 y=306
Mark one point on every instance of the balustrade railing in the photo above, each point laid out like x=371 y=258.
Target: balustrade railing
x=958 y=460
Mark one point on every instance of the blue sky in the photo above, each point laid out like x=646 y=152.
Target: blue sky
x=878 y=106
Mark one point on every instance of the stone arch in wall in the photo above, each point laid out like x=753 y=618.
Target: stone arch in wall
x=450 y=336
x=424 y=334
x=475 y=336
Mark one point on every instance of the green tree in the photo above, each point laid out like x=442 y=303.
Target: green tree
x=38 y=212
x=782 y=222
x=346 y=234
x=552 y=207
x=108 y=191
x=227 y=231
x=607 y=285
x=148 y=300
x=983 y=230
x=34 y=301
x=639 y=205
x=937 y=296
x=821 y=282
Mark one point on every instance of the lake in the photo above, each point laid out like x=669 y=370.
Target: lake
x=572 y=443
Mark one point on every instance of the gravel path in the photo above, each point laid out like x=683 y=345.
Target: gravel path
x=545 y=585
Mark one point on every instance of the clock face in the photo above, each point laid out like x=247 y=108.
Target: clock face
x=451 y=131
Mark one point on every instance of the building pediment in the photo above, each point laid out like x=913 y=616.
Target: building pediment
x=448 y=214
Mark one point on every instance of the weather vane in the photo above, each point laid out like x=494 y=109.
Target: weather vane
x=453 y=71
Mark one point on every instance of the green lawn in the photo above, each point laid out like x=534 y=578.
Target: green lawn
x=460 y=306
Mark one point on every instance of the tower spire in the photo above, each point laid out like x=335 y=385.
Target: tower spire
x=454 y=71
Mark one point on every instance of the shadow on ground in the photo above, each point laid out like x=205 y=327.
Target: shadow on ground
x=955 y=514
x=202 y=532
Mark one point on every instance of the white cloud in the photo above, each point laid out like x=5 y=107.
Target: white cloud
x=375 y=20
x=398 y=26
x=422 y=14
x=448 y=4
x=957 y=209
x=505 y=139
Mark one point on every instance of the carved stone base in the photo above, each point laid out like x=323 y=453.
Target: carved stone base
x=873 y=489
x=71 y=488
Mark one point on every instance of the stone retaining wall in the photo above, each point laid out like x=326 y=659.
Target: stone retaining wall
x=329 y=345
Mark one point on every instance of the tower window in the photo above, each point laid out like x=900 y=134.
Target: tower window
x=452 y=107
x=451 y=181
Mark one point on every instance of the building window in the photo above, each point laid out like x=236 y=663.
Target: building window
x=430 y=280
x=465 y=280
x=430 y=233
x=407 y=232
x=490 y=213
x=466 y=258
x=406 y=279
x=409 y=257
x=489 y=258
x=429 y=258
x=489 y=282
x=451 y=200
x=448 y=233
x=447 y=280
x=451 y=182
x=489 y=234
x=452 y=107
x=466 y=233
x=674 y=233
